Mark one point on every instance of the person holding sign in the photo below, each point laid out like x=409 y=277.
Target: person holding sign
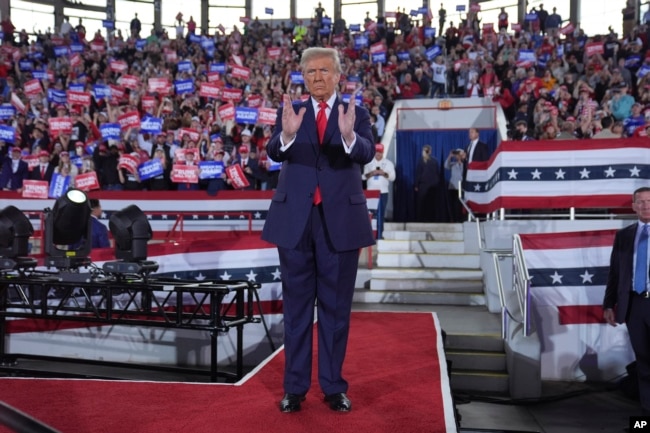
x=319 y=220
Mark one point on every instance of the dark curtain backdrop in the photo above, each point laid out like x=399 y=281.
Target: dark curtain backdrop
x=408 y=153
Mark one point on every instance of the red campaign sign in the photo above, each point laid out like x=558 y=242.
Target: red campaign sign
x=594 y=48
x=130 y=82
x=516 y=27
x=213 y=77
x=267 y=116
x=372 y=25
x=60 y=125
x=170 y=55
x=236 y=176
x=117 y=92
x=79 y=98
x=18 y=103
x=33 y=87
x=75 y=60
x=179 y=154
x=255 y=101
x=148 y=103
x=118 y=66
x=210 y=90
x=160 y=85
x=244 y=20
x=231 y=94
x=129 y=163
x=86 y=181
x=35 y=188
x=488 y=26
x=568 y=29
x=32 y=161
x=227 y=111
x=338 y=40
x=240 y=72
x=390 y=14
x=130 y=119
x=274 y=53
x=377 y=48
x=185 y=173
x=192 y=133
x=97 y=46
x=57 y=40
x=16 y=55
x=50 y=76
x=351 y=85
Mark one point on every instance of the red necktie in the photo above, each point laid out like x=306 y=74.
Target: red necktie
x=321 y=124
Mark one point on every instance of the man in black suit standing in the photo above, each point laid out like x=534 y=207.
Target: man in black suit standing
x=627 y=295
x=319 y=220
x=476 y=149
x=14 y=171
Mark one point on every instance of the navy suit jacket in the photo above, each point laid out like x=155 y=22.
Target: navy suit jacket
x=619 y=280
x=99 y=234
x=307 y=164
x=6 y=174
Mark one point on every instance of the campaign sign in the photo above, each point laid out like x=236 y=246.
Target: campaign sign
x=594 y=48
x=210 y=90
x=217 y=67
x=213 y=77
x=58 y=185
x=355 y=27
x=207 y=44
x=76 y=87
x=377 y=48
x=360 y=42
x=130 y=119
x=185 y=173
x=32 y=87
x=185 y=66
x=516 y=27
x=338 y=40
x=236 y=176
x=231 y=94
x=77 y=48
x=403 y=55
x=150 y=169
x=527 y=56
x=274 y=52
x=75 y=60
x=324 y=31
x=35 y=189
x=254 y=101
x=26 y=65
x=429 y=32
x=140 y=44
x=39 y=74
x=379 y=58
x=240 y=72
x=102 y=91
x=130 y=82
x=60 y=125
x=159 y=84
x=110 y=131
x=433 y=52
x=227 y=111
x=297 y=78
x=17 y=102
x=60 y=51
x=7 y=134
x=567 y=29
x=36 y=55
x=97 y=46
x=414 y=12
x=530 y=17
x=79 y=98
x=184 y=86
x=192 y=133
x=7 y=111
x=148 y=103
x=57 y=96
x=460 y=8
x=268 y=11
x=210 y=169
x=108 y=24
x=346 y=98
x=246 y=115
x=195 y=39
x=129 y=163
x=326 y=21
x=86 y=181
x=152 y=125
x=117 y=92
x=179 y=154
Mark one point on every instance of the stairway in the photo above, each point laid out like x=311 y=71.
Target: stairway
x=428 y=265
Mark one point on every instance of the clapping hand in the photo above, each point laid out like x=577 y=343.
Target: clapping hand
x=347 y=120
x=290 y=120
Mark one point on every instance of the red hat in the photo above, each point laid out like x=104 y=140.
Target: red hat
x=64 y=153
x=379 y=148
x=16 y=149
x=61 y=107
x=79 y=144
x=243 y=149
x=570 y=119
x=43 y=153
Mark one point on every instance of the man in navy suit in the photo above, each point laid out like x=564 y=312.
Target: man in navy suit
x=14 y=171
x=625 y=303
x=319 y=220
x=99 y=232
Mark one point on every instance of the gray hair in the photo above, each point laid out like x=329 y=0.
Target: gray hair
x=318 y=52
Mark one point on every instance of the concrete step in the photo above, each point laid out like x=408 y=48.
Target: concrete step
x=478 y=361
x=420 y=246
x=416 y=297
x=441 y=261
x=395 y=235
x=427 y=274
x=425 y=227
x=478 y=343
x=465 y=286
x=478 y=381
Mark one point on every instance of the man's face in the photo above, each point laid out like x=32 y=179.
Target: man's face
x=473 y=134
x=641 y=205
x=321 y=77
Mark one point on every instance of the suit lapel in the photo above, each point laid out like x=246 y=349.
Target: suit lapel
x=332 y=121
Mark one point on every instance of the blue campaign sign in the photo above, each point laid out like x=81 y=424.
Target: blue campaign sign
x=102 y=91
x=297 y=78
x=379 y=58
x=108 y=24
x=39 y=74
x=429 y=32
x=210 y=169
x=433 y=52
x=26 y=65
x=360 y=42
x=76 y=48
x=7 y=134
x=423 y=10
x=530 y=17
x=140 y=44
x=7 y=111
x=414 y=12
x=268 y=11
x=403 y=55
x=111 y=131
x=58 y=185
x=354 y=78
x=185 y=66
x=632 y=61
x=324 y=31
x=150 y=124
x=643 y=71
x=35 y=55
x=326 y=21
x=195 y=39
x=57 y=96
x=207 y=44
x=218 y=67
x=215 y=136
x=76 y=87
x=150 y=169
x=346 y=98
x=184 y=86
x=77 y=160
x=355 y=27
x=460 y=8
x=246 y=115
x=60 y=51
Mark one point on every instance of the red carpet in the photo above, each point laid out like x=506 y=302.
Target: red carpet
x=397 y=384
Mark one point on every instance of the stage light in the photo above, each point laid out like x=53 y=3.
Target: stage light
x=15 y=231
x=68 y=231
x=131 y=231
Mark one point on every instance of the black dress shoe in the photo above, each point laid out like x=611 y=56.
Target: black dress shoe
x=291 y=402
x=339 y=402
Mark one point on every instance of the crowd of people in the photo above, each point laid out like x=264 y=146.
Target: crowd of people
x=177 y=100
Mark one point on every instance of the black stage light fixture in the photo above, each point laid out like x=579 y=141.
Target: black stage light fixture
x=68 y=231
x=131 y=231
x=15 y=231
